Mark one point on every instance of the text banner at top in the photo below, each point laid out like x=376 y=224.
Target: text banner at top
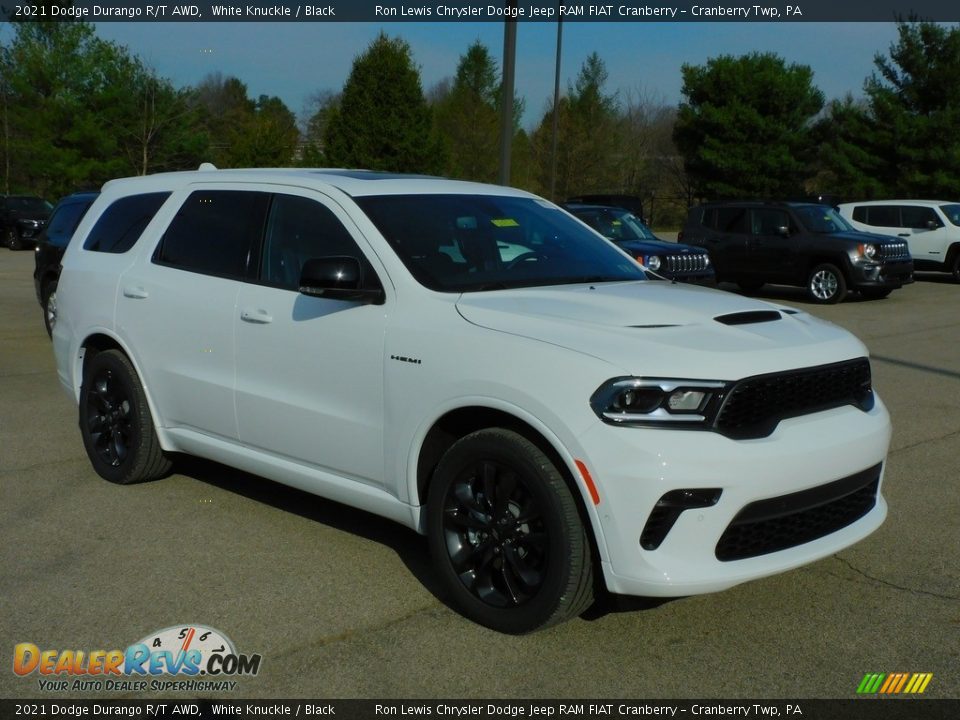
x=497 y=11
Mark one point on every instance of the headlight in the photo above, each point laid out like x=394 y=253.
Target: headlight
x=645 y=401
x=652 y=262
x=867 y=250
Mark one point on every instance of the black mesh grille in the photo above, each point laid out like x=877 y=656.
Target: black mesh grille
x=771 y=525
x=755 y=405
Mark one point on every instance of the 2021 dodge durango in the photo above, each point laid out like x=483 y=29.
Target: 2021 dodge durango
x=474 y=363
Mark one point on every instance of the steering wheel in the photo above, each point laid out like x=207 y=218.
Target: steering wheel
x=524 y=257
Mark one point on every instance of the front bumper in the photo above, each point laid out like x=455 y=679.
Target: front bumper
x=881 y=275
x=633 y=468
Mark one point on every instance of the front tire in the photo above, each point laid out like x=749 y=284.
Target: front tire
x=116 y=424
x=826 y=284
x=955 y=266
x=506 y=536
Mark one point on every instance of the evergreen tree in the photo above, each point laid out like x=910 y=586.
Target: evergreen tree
x=744 y=127
x=383 y=121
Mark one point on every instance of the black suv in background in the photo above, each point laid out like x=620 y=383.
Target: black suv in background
x=52 y=242
x=22 y=217
x=802 y=244
x=670 y=260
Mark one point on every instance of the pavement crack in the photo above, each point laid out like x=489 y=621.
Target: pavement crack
x=917 y=444
x=889 y=584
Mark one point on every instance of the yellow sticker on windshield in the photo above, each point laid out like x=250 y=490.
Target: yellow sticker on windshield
x=505 y=222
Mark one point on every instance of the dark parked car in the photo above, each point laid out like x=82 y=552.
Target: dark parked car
x=802 y=244
x=53 y=241
x=671 y=260
x=22 y=218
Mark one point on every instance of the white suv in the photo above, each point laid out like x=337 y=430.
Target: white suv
x=932 y=228
x=475 y=363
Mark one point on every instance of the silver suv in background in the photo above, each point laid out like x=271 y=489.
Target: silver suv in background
x=931 y=227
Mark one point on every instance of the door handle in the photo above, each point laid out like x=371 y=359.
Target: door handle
x=260 y=317
x=903 y=234
x=137 y=292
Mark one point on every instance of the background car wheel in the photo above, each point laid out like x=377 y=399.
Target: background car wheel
x=49 y=295
x=875 y=293
x=506 y=536
x=826 y=284
x=955 y=266
x=115 y=422
x=750 y=286
x=12 y=239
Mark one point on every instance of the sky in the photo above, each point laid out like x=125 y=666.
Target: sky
x=297 y=60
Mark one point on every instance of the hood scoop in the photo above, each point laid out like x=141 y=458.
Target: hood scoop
x=749 y=317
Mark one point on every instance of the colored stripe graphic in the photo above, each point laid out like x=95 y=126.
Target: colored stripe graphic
x=894 y=683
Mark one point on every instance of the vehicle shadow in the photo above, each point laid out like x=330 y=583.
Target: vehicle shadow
x=410 y=547
x=934 y=277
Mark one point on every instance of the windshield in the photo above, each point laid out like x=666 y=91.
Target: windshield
x=462 y=243
x=821 y=219
x=952 y=212
x=616 y=224
x=29 y=205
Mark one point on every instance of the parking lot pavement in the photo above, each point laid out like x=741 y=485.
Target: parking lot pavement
x=340 y=603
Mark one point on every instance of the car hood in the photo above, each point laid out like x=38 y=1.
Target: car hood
x=664 y=329
x=863 y=237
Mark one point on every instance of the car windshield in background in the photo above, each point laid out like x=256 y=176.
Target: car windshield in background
x=822 y=219
x=462 y=243
x=29 y=205
x=618 y=225
x=952 y=212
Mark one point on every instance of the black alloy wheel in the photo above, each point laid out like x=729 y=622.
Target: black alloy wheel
x=955 y=266
x=12 y=239
x=506 y=534
x=49 y=296
x=115 y=422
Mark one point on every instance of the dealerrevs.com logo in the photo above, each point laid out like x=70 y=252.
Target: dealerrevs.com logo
x=182 y=657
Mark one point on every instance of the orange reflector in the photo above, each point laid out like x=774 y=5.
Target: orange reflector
x=585 y=474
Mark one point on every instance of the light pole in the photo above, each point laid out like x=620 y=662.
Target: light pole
x=506 y=87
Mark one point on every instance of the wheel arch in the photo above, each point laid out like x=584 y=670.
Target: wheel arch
x=459 y=422
x=102 y=341
x=952 y=253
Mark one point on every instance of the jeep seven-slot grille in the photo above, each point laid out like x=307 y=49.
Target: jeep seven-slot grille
x=754 y=406
x=783 y=522
x=687 y=263
x=894 y=251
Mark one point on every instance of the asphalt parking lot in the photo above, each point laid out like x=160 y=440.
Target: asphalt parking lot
x=341 y=603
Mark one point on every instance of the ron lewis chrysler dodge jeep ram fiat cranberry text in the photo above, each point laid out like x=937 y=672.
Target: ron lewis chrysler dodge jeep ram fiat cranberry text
x=473 y=362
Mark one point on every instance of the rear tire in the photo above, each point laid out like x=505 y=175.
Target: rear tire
x=826 y=284
x=49 y=295
x=116 y=424
x=506 y=536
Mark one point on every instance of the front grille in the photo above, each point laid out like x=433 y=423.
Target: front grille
x=690 y=262
x=894 y=251
x=754 y=406
x=783 y=522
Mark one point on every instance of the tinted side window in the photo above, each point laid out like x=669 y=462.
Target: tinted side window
x=732 y=220
x=767 y=221
x=299 y=229
x=120 y=225
x=918 y=218
x=215 y=232
x=64 y=221
x=883 y=215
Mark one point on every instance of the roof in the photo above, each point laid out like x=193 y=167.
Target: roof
x=918 y=203
x=356 y=183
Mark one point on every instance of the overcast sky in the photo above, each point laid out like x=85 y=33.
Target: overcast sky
x=296 y=60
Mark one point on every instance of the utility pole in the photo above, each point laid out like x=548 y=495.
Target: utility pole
x=506 y=109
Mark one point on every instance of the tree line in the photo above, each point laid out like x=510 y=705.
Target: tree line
x=77 y=110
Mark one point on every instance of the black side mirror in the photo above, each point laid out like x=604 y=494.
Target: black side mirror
x=932 y=225
x=337 y=278
x=783 y=230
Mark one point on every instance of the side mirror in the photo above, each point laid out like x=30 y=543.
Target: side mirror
x=337 y=278
x=784 y=231
x=932 y=225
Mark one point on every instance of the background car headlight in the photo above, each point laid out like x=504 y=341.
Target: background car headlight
x=867 y=250
x=657 y=401
x=652 y=262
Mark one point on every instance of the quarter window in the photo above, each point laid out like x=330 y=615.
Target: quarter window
x=732 y=220
x=120 y=225
x=215 y=232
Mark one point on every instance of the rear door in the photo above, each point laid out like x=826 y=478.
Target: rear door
x=772 y=247
x=727 y=241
